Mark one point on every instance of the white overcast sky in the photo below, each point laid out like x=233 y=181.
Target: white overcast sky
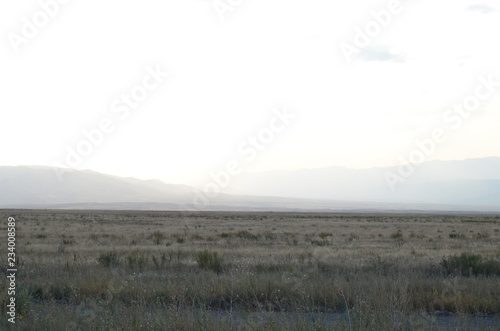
x=227 y=76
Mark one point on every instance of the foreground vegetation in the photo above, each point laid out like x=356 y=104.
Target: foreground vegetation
x=255 y=271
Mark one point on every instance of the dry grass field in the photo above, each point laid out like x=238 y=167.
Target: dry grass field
x=82 y=270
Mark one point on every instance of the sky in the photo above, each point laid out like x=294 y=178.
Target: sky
x=178 y=89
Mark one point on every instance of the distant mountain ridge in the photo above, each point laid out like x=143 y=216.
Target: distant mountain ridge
x=40 y=185
x=471 y=182
x=468 y=185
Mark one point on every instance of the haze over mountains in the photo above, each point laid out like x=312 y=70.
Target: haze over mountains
x=471 y=182
x=468 y=185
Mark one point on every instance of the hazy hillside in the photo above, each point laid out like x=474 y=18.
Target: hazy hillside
x=40 y=185
x=452 y=185
x=472 y=182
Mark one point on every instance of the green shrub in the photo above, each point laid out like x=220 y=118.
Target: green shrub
x=270 y=235
x=36 y=293
x=137 y=259
x=108 y=259
x=467 y=264
x=320 y=243
x=246 y=235
x=397 y=235
x=196 y=237
x=61 y=293
x=482 y=235
x=209 y=260
x=157 y=237
x=456 y=236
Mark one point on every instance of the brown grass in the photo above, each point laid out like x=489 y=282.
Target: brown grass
x=251 y=271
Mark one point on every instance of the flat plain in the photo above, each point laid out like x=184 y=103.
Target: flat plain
x=141 y=270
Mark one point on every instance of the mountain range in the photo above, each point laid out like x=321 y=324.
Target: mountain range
x=465 y=182
x=456 y=186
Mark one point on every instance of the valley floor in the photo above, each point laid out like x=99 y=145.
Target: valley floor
x=110 y=270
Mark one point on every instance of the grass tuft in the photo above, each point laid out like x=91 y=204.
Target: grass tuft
x=468 y=265
x=108 y=259
x=209 y=260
